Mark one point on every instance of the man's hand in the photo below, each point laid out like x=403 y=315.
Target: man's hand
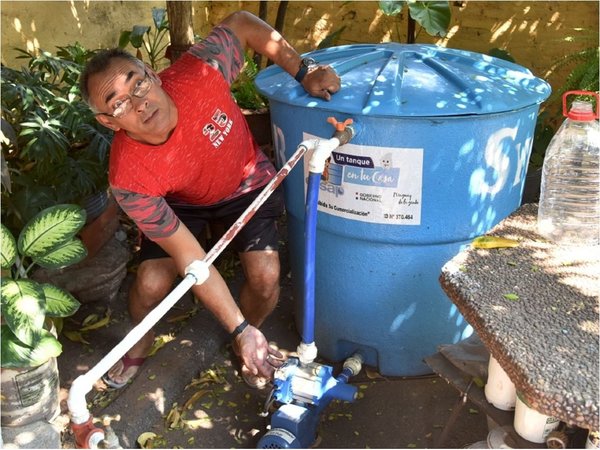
x=321 y=81
x=256 y=353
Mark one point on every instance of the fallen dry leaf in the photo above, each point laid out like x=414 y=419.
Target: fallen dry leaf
x=98 y=324
x=145 y=439
x=159 y=342
x=493 y=242
x=191 y=313
x=90 y=319
x=195 y=396
x=372 y=374
x=75 y=336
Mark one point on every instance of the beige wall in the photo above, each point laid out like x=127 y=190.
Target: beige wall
x=534 y=32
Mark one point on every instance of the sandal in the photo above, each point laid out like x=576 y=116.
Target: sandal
x=127 y=363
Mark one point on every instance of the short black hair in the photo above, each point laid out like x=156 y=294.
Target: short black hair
x=98 y=64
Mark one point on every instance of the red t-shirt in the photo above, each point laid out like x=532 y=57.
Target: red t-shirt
x=211 y=155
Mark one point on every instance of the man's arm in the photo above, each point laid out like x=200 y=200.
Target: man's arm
x=157 y=220
x=214 y=293
x=217 y=298
x=252 y=32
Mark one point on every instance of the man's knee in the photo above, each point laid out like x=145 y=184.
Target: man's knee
x=154 y=280
x=263 y=272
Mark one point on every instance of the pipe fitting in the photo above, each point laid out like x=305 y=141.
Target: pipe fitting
x=344 y=131
x=199 y=270
x=76 y=400
x=322 y=152
x=87 y=435
x=307 y=353
x=354 y=364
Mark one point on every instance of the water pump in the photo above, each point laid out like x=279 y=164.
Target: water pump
x=303 y=391
x=303 y=388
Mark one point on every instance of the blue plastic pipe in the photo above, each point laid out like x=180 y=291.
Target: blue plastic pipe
x=310 y=234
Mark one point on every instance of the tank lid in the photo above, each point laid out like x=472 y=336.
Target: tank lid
x=412 y=80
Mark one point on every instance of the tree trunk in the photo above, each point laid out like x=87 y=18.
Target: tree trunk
x=280 y=20
x=410 y=32
x=262 y=14
x=181 y=30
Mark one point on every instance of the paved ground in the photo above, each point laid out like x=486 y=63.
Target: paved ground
x=190 y=396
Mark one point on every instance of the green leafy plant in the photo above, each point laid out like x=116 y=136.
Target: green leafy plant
x=152 y=40
x=47 y=240
x=432 y=16
x=244 y=90
x=583 y=64
x=583 y=75
x=53 y=149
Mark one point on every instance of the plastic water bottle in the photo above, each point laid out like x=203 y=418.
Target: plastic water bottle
x=569 y=207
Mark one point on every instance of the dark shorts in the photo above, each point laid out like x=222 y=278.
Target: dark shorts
x=260 y=233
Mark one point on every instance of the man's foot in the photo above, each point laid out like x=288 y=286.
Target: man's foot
x=123 y=371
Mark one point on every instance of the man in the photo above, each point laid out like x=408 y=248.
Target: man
x=182 y=156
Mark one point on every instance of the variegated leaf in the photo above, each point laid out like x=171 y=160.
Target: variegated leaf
x=59 y=303
x=391 y=8
x=23 y=309
x=64 y=255
x=8 y=247
x=14 y=354
x=50 y=228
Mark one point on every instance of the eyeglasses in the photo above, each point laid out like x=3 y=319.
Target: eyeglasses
x=122 y=106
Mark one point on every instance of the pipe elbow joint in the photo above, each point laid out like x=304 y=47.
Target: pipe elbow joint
x=322 y=152
x=87 y=435
x=76 y=401
x=307 y=353
x=199 y=270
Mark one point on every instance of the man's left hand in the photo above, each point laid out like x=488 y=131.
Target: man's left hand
x=321 y=81
x=260 y=358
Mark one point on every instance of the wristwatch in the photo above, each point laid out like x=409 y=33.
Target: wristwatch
x=305 y=64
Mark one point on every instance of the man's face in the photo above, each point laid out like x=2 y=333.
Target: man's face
x=148 y=118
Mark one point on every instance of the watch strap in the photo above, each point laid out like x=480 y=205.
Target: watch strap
x=305 y=64
x=238 y=330
x=301 y=73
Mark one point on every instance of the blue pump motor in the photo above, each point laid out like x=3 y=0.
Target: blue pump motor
x=279 y=438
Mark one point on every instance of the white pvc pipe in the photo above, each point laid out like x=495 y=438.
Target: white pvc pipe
x=196 y=273
x=322 y=152
x=83 y=384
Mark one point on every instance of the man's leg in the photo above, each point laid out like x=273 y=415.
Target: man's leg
x=153 y=282
x=260 y=292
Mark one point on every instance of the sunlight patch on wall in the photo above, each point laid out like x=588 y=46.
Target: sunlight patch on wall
x=17 y=25
x=451 y=32
x=523 y=26
x=375 y=22
x=32 y=45
x=533 y=28
x=322 y=28
x=305 y=13
x=75 y=15
x=501 y=30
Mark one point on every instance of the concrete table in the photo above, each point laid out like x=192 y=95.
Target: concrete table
x=536 y=309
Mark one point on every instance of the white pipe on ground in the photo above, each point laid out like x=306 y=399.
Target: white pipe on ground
x=196 y=273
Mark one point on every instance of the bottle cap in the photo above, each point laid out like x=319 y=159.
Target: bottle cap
x=581 y=110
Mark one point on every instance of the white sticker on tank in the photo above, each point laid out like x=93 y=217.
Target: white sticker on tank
x=372 y=184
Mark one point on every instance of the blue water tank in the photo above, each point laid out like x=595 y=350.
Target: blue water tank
x=444 y=139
